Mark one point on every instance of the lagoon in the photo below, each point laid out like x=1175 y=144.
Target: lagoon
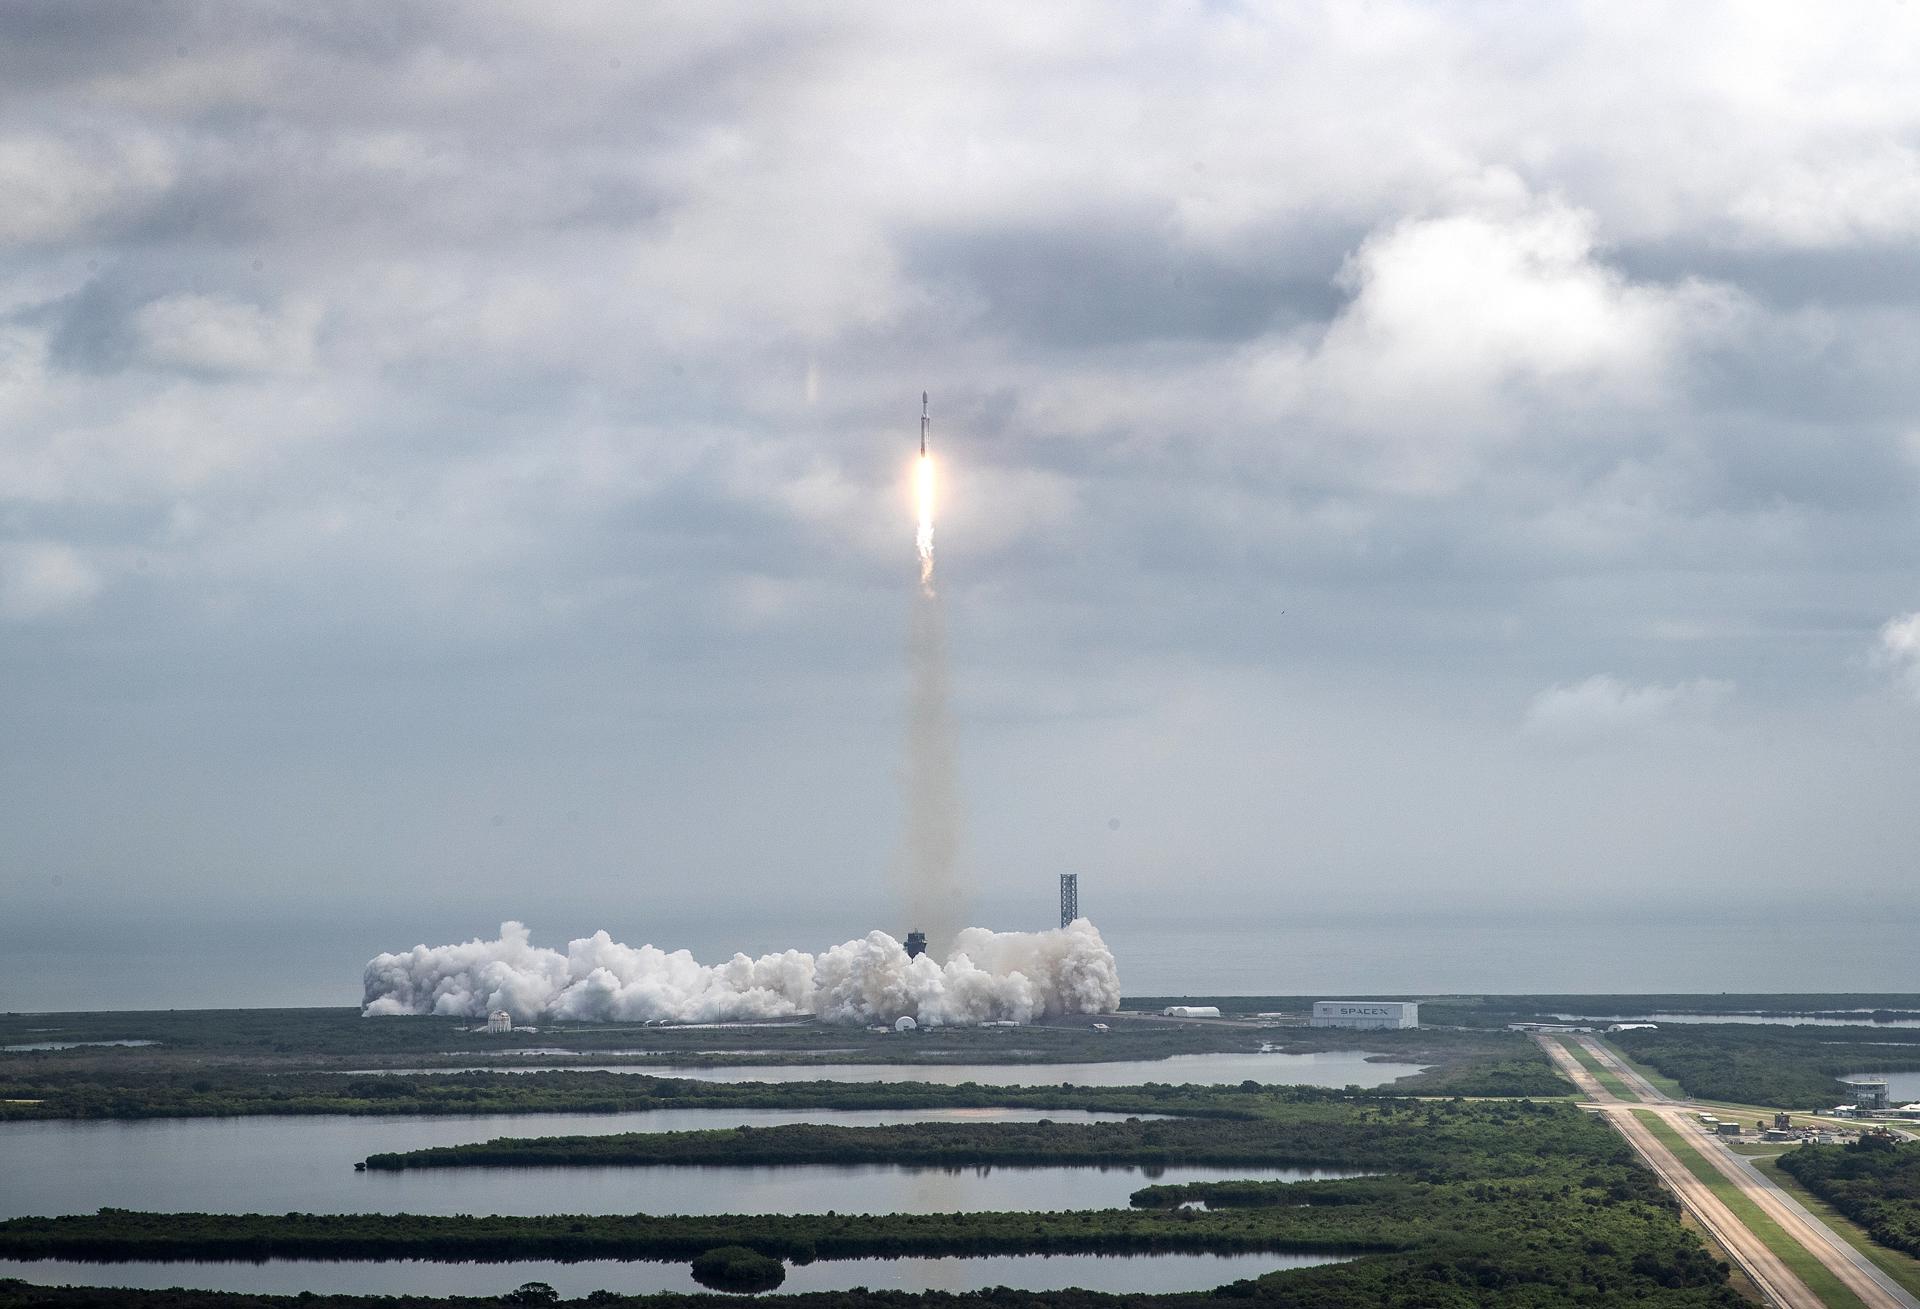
x=1145 y=1273
x=281 y=1165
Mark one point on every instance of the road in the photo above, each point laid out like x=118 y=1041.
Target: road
x=1778 y=1282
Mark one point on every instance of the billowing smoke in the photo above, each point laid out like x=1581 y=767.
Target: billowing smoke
x=987 y=976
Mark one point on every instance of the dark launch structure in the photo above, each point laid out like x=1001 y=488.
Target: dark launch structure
x=1069 y=897
x=916 y=944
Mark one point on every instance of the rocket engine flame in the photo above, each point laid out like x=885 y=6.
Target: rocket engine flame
x=923 y=496
x=931 y=792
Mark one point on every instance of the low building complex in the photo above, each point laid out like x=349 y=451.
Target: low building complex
x=1366 y=1013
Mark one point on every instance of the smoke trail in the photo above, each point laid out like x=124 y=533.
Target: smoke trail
x=932 y=798
x=987 y=977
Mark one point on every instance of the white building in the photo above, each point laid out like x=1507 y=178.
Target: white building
x=1365 y=1013
x=1191 y=1011
x=499 y=1021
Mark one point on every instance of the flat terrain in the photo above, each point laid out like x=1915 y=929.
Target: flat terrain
x=1795 y=1257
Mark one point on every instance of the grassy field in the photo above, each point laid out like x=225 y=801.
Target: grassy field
x=1831 y=1290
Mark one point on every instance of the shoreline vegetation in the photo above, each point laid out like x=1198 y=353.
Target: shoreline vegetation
x=1778 y=1067
x=1875 y=1182
x=1476 y=1202
x=1314 y=1134
x=305 y=1062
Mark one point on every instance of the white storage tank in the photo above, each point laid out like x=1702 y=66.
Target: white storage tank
x=1366 y=1013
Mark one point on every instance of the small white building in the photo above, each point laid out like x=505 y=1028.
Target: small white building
x=905 y=1023
x=1366 y=1014
x=499 y=1021
x=1191 y=1011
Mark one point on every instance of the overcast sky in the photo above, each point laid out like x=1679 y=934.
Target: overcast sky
x=1456 y=460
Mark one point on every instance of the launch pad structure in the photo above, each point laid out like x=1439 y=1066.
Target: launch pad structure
x=1069 y=897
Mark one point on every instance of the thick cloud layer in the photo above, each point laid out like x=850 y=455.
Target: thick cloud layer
x=1424 y=447
x=987 y=977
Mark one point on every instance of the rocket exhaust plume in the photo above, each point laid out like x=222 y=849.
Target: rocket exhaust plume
x=923 y=500
x=987 y=977
x=932 y=799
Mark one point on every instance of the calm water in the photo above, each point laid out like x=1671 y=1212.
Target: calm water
x=1775 y=1020
x=1902 y=1088
x=277 y=1165
x=1325 y=1068
x=185 y=959
x=1025 y=1272
x=64 y=1045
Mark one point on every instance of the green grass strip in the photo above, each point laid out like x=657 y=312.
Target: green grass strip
x=1661 y=1082
x=1819 y=1278
x=1612 y=1084
x=1902 y=1268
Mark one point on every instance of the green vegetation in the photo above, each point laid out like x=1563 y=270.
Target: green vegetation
x=1498 y=1010
x=1819 y=1279
x=266 y=1066
x=1782 y=1067
x=1875 y=1182
x=1266 y=1129
x=938 y=1145
x=1902 y=1268
x=1483 y=1202
x=564 y=1092
x=1609 y=1081
x=1660 y=1081
x=736 y=1268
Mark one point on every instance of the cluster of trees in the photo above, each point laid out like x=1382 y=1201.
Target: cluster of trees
x=1786 y=1067
x=1481 y=1203
x=280 y=1061
x=1875 y=1182
x=214 y=1092
x=1250 y=1127
x=198 y=1089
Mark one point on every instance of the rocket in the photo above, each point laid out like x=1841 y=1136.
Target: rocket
x=923 y=424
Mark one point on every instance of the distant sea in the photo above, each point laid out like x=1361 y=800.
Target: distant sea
x=200 y=965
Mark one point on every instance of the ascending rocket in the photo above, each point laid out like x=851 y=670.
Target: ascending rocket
x=923 y=424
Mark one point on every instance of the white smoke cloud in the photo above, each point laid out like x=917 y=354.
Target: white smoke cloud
x=987 y=976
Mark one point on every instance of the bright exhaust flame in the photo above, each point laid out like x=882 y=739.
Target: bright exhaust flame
x=923 y=495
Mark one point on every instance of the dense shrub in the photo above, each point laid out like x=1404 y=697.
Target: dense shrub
x=736 y=1268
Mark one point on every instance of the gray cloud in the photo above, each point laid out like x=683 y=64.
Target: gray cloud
x=413 y=416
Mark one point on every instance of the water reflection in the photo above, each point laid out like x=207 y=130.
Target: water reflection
x=277 y=1165
x=1156 y=1273
x=1902 y=1088
x=1334 y=1068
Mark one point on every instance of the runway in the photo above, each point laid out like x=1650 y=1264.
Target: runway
x=1768 y=1270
